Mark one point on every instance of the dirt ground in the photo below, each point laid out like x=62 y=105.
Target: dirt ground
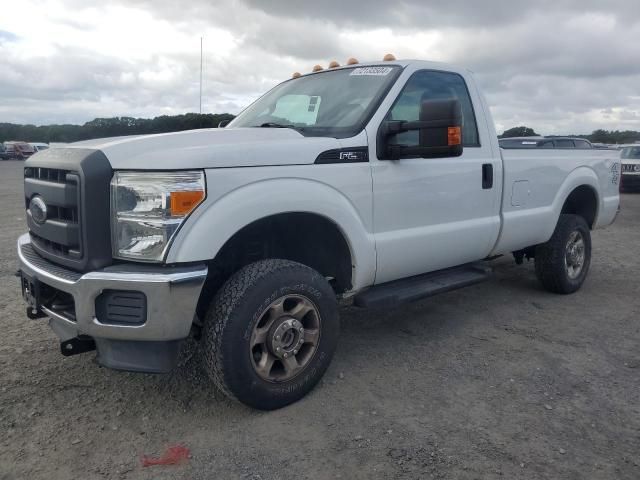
x=500 y=380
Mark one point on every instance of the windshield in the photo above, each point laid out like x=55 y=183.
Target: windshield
x=631 y=152
x=333 y=103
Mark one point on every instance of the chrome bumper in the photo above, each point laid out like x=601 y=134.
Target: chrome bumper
x=171 y=292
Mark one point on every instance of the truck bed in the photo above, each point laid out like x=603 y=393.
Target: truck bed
x=537 y=181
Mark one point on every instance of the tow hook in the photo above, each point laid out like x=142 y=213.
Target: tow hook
x=35 y=313
x=77 y=345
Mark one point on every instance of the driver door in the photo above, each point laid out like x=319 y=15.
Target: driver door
x=434 y=213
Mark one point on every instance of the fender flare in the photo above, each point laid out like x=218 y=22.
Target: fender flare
x=212 y=224
x=581 y=176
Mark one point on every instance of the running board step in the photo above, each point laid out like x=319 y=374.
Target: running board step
x=422 y=286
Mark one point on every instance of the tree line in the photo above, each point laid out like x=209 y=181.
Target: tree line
x=118 y=126
x=597 y=136
x=110 y=127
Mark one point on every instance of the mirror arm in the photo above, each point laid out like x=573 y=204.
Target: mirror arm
x=397 y=152
x=398 y=126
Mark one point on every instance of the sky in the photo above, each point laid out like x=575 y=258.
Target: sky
x=559 y=66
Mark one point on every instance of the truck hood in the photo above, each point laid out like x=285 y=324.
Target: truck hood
x=211 y=148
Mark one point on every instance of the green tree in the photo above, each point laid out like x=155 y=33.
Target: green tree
x=614 y=136
x=518 y=132
x=110 y=127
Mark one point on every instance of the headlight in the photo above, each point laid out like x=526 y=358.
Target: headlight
x=147 y=208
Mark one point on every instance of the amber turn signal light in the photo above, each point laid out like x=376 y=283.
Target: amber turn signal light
x=454 y=135
x=183 y=203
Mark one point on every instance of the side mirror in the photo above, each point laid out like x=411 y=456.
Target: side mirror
x=439 y=132
x=223 y=123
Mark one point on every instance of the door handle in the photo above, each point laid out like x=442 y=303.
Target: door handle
x=487 y=176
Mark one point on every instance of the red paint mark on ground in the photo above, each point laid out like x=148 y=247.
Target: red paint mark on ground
x=172 y=456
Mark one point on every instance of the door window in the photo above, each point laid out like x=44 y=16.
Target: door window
x=582 y=144
x=433 y=85
x=564 y=143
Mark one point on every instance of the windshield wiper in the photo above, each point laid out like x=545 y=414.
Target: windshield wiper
x=277 y=125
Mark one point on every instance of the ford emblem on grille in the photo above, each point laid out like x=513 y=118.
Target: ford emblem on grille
x=38 y=210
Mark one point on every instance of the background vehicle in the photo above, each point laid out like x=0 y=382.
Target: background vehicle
x=37 y=147
x=378 y=184
x=4 y=154
x=630 y=156
x=10 y=150
x=519 y=142
x=565 y=142
x=19 y=150
x=545 y=142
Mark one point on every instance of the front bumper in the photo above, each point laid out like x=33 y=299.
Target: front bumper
x=630 y=181
x=171 y=297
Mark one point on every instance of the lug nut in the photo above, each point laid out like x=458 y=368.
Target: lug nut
x=277 y=337
x=301 y=329
x=286 y=355
x=277 y=349
x=295 y=351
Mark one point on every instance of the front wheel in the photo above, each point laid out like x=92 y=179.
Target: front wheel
x=270 y=333
x=563 y=262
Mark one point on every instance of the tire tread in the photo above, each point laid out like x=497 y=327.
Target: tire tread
x=222 y=306
x=549 y=256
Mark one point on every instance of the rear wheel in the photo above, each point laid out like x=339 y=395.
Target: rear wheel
x=270 y=333
x=563 y=262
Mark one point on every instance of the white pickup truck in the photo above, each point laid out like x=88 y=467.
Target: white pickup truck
x=373 y=183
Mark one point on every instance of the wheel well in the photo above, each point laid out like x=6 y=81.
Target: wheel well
x=582 y=201
x=306 y=238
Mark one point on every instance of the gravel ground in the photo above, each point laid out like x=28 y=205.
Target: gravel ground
x=500 y=380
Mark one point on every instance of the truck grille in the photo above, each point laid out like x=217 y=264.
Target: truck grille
x=60 y=234
x=66 y=195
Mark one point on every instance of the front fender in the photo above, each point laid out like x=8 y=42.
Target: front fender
x=220 y=217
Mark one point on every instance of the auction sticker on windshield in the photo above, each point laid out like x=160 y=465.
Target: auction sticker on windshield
x=376 y=71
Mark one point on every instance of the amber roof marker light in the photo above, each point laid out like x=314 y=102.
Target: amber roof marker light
x=389 y=57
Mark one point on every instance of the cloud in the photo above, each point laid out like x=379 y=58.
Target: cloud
x=560 y=66
x=6 y=37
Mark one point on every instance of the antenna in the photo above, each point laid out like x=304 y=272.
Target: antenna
x=200 y=75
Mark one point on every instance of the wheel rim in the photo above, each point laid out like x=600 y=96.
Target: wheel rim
x=285 y=338
x=574 y=257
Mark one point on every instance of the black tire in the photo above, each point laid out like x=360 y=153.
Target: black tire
x=236 y=310
x=551 y=258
